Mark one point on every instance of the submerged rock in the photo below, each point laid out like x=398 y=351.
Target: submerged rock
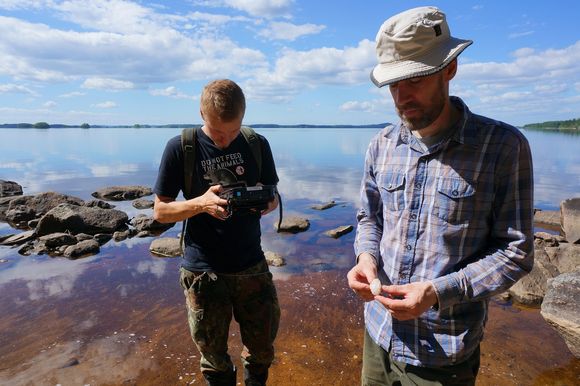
x=166 y=247
x=99 y=204
x=143 y=223
x=122 y=193
x=274 y=259
x=18 y=239
x=327 y=205
x=293 y=225
x=82 y=249
x=142 y=203
x=340 y=231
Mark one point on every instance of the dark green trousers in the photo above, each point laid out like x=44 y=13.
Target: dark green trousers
x=250 y=297
x=379 y=369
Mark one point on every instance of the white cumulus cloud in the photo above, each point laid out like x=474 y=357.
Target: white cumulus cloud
x=106 y=105
x=72 y=94
x=171 y=92
x=107 y=84
x=262 y=8
x=296 y=71
x=16 y=89
x=289 y=31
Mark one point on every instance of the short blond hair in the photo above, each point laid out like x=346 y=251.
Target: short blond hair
x=224 y=99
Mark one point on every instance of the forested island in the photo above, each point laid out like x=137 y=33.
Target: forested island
x=571 y=124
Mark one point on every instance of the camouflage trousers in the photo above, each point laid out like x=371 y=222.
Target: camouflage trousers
x=250 y=297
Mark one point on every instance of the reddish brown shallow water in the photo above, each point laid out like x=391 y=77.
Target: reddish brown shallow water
x=119 y=319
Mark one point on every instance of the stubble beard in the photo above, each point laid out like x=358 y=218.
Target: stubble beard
x=430 y=113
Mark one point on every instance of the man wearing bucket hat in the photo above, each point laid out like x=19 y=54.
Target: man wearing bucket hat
x=446 y=214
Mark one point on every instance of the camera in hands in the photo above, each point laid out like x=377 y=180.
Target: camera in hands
x=241 y=197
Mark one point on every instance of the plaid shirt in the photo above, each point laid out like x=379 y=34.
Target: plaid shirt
x=459 y=215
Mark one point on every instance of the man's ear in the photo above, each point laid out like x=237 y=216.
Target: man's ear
x=451 y=70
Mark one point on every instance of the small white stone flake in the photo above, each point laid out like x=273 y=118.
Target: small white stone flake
x=376 y=286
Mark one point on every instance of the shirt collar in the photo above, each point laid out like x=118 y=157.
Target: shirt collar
x=465 y=133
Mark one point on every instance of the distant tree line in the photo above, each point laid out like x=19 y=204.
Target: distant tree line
x=571 y=124
x=45 y=125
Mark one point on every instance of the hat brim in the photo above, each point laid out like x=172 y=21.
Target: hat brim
x=429 y=62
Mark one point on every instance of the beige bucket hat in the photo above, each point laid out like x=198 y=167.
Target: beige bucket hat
x=414 y=43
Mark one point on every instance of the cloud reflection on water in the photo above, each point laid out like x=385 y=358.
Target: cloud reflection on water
x=46 y=277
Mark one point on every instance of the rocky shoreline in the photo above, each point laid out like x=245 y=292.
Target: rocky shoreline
x=62 y=225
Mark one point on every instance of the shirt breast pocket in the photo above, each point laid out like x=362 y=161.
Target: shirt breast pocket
x=392 y=188
x=455 y=199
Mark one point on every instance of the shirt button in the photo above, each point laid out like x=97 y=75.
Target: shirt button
x=418 y=185
x=455 y=193
x=413 y=216
x=409 y=247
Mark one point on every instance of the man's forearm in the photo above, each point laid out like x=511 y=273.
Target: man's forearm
x=174 y=211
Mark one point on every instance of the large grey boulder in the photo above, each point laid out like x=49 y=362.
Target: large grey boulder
x=81 y=219
x=549 y=262
x=565 y=257
x=122 y=193
x=25 y=208
x=547 y=219
x=10 y=188
x=560 y=308
x=530 y=289
x=570 y=212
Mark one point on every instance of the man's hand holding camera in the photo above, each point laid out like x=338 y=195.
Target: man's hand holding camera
x=213 y=204
x=273 y=204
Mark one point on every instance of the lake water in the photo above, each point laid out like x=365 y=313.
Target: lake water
x=119 y=318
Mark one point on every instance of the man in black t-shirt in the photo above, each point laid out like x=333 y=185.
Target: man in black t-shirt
x=224 y=271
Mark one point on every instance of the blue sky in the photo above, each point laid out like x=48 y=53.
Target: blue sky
x=298 y=61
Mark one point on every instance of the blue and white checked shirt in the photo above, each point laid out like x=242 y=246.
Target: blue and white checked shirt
x=459 y=215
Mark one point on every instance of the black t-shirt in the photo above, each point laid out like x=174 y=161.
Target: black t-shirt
x=230 y=245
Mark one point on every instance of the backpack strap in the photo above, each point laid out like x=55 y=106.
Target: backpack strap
x=188 y=146
x=255 y=146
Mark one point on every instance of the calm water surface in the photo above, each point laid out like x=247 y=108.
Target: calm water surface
x=119 y=318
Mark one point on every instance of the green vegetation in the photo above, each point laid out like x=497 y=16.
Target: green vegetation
x=85 y=126
x=571 y=124
x=41 y=125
